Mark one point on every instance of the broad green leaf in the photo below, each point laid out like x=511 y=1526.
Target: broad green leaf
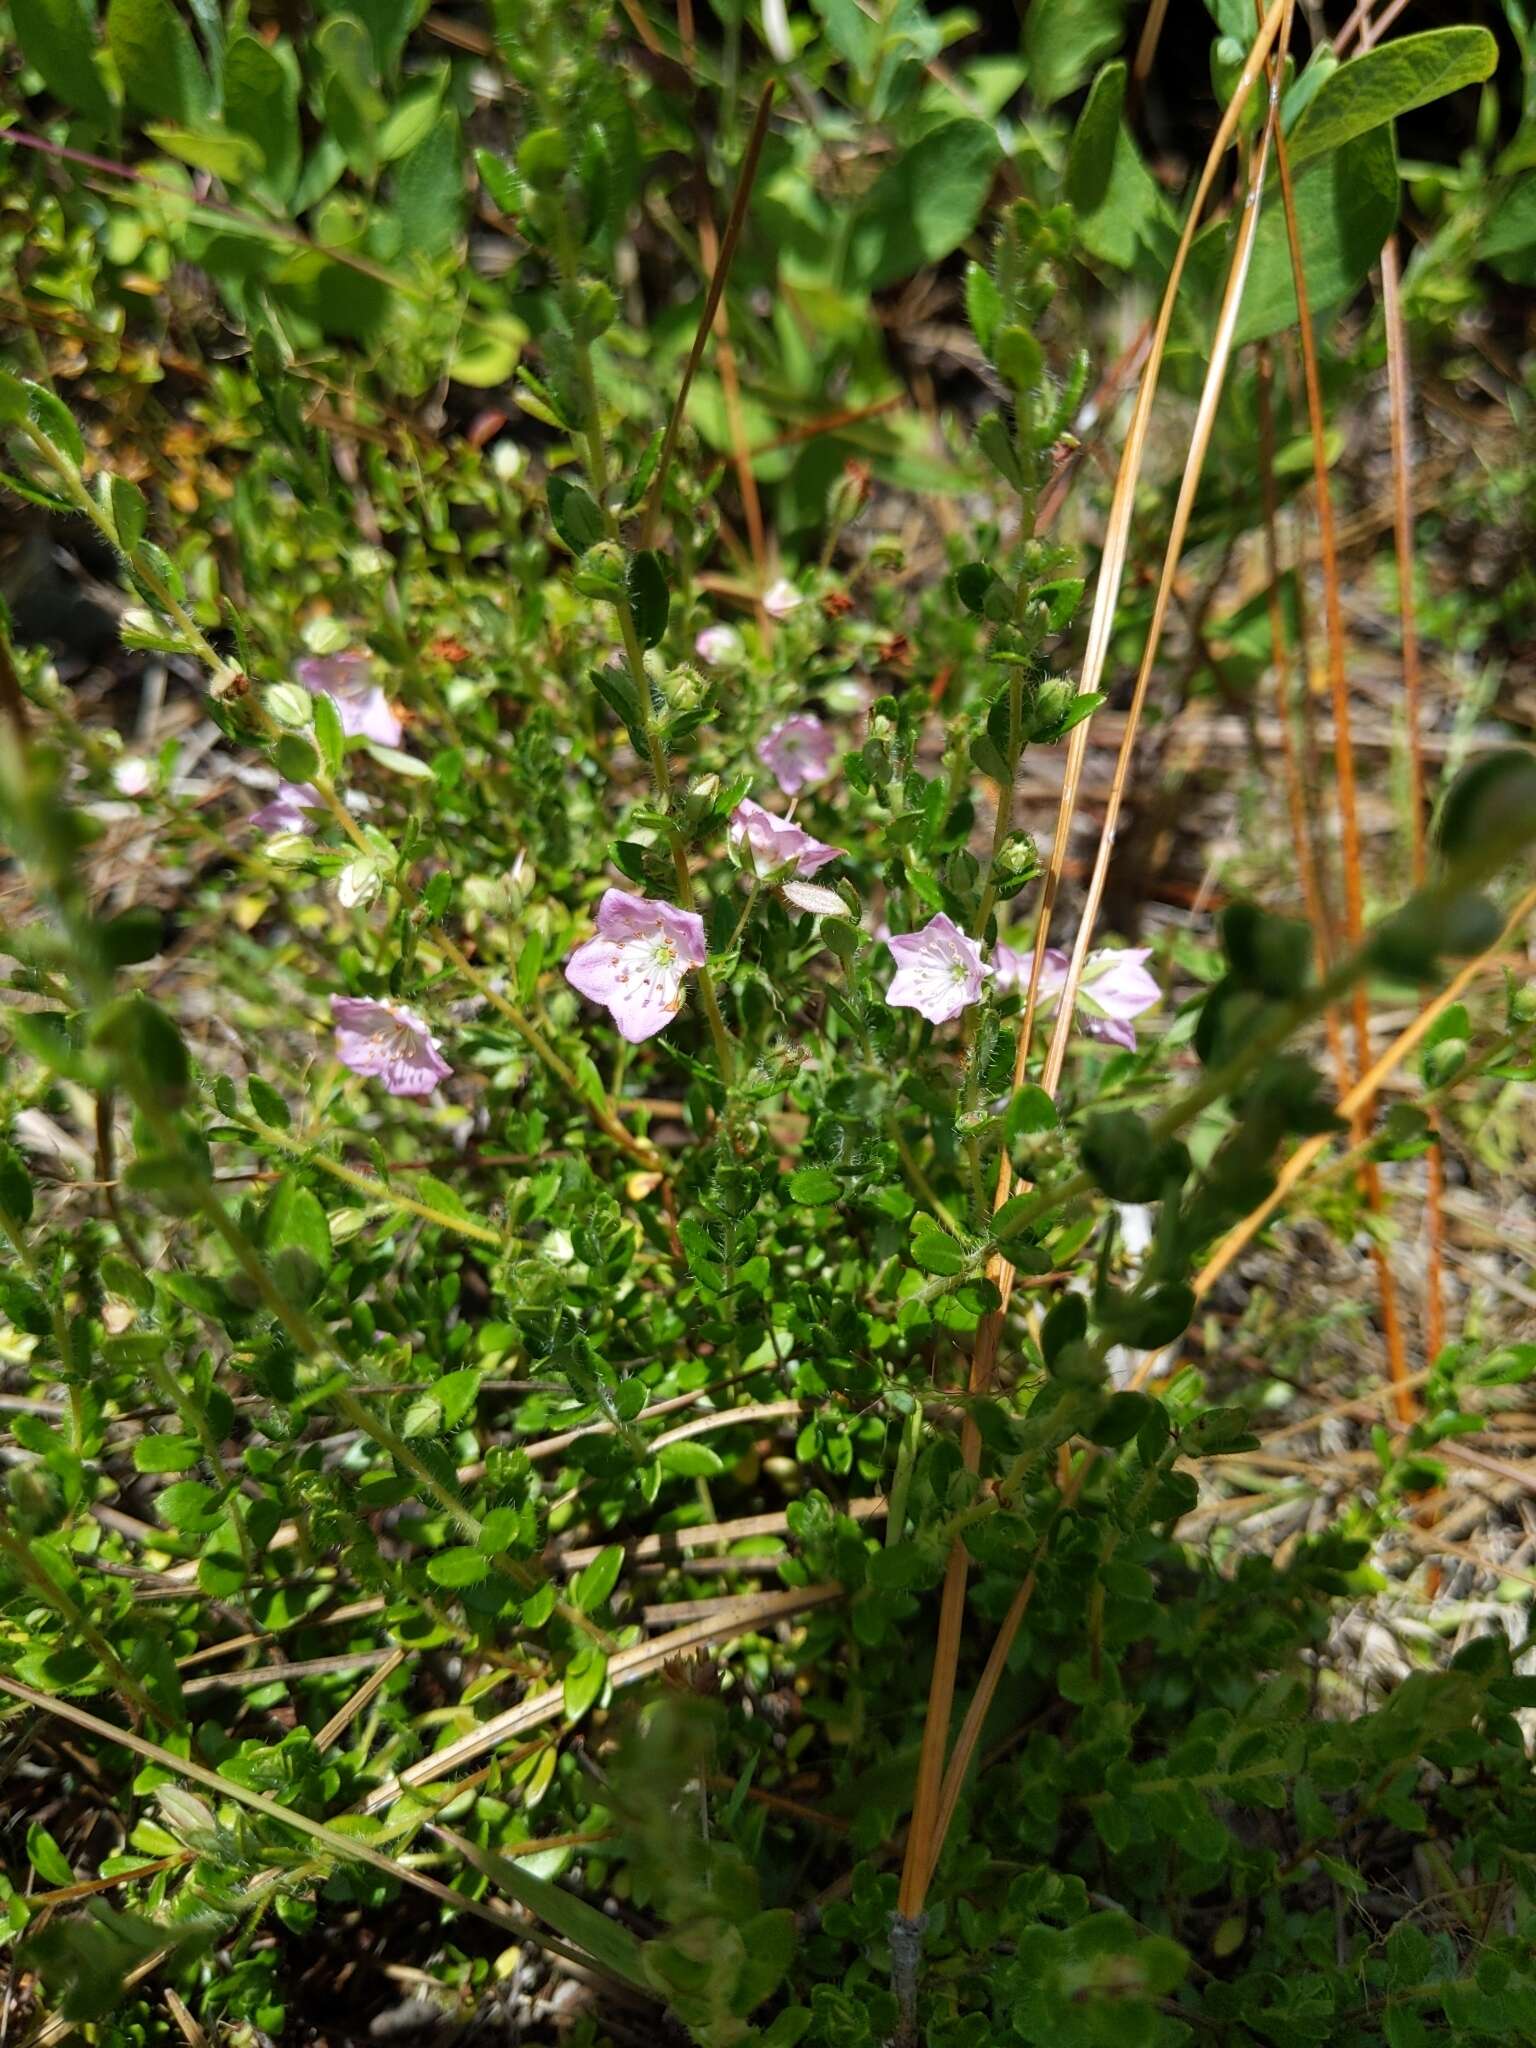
x=1112 y=192
x=689 y=1460
x=389 y=23
x=597 y=1580
x=355 y=109
x=1509 y=240
x=15 y=1188
x=458 y=1567
x=414 y=116
x=924 y=205
x=575 y=515
x=585 y=1677
x=46 y=1857
x=295 y=1219
x=58 y=38
x=1345 y=207
x=648 y=596
x=934 y=1249
x=223 y=154
x=814 y=1185
x=1392 y=79
x=165 y=1454
x=430 y=192
x=1064 y=39
x=157 y=60
x=261 y=102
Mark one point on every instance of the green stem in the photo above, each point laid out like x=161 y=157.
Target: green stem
x=374 y=1190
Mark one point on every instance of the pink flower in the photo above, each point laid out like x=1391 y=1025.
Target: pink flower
x=769 y=843
x=289 y=809
x=938 y=970
x=347 y=679
x=720 y=646
x=1115 y=989
x=635 y=965
x=798 y=753
x=388 y=1043
x=781 y=598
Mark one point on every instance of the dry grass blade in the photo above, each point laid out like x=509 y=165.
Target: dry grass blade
x=1399 y=391
x=1295 y=790
x=748 y=1612
x=923 y=1840
x=1344 y=757
x=722 y=270
x=370 y=1688
x=1117 y=531
x=1189 y=484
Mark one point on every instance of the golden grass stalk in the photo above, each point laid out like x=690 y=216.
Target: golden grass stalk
x=925 y=1835
x=1344 y=763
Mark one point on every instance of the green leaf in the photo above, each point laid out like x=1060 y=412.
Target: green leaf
x=504 y=187
x=457 y=1567
x=1113 y=194
x=208 y=147
x=983 y=305
x=597 y=1580
x=1064 y=39
x=1509 y=240
x=815 y=1186
x=648 y=598
x=585 y=1677
x=157 y=60
x=1031 y=1113
x=265 y=1100
x=689 y=1461
x=54 y=418
x=1392 y=79
x=295 y=1219
x=934 y=1249
x=46 y=1857
x=58 y=38
x=430 y=193
x=924 y=205
x=355 y=109
x=389 y=24
x=1345 y=209
x=15 y=1188
x=165 y=1454
x=261 y=102
x=574 y=512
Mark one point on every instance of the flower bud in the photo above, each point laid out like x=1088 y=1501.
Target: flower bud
x=1522 y=1003
x=683 y=688
x=601 y=572
x=848 y=495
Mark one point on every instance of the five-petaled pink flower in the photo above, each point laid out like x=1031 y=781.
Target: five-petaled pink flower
x=781 y=598
x=720 y=646
x=636 y=963
x=799 y=753
x=347 y=679
x=772 y=843
x=939 y=971
x=1115 y=988
x=388 y=1042
x=288 y=809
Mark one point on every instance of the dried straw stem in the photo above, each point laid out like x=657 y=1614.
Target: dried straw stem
x=1344 y=763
